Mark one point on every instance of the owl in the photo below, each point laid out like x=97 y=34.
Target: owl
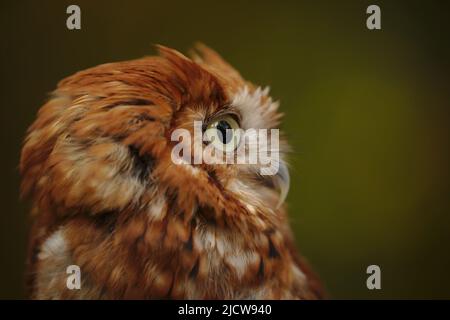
x=107 y=196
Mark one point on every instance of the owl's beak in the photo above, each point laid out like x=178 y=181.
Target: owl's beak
x=281 y=181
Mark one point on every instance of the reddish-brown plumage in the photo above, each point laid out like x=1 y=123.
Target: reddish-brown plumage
x=107 y=197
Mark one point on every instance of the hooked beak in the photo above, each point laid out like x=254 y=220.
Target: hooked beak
x=281 y=181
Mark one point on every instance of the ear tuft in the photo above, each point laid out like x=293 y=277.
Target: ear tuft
x=214 y=63
x=197 y=83
x=170 y=54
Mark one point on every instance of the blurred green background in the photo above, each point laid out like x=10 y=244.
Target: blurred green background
x=367 y=113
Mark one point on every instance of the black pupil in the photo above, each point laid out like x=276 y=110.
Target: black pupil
x=222 y=127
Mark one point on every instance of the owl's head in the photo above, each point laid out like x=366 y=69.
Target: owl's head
x=113 y=138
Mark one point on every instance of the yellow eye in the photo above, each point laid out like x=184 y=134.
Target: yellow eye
x=224 y=133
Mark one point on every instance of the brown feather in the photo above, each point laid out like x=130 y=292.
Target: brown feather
x=107 y=197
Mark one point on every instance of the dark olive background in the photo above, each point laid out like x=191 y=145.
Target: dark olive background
x=367 y=113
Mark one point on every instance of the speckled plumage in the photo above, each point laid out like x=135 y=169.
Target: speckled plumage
x=107 y=197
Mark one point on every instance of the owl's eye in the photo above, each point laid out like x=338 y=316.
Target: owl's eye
x=223 y=133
